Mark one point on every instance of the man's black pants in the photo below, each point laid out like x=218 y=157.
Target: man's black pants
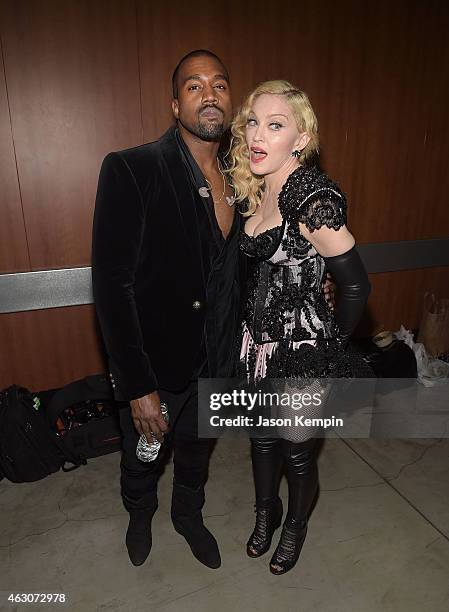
x=191 y=455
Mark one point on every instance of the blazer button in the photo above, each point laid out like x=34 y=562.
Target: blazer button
x=196 y=305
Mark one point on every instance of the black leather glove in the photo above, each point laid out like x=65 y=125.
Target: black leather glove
x=354 y=287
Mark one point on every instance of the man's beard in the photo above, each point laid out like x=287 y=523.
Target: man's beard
x=211 y=132
x=203 y=129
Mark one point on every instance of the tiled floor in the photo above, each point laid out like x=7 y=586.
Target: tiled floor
x=378 y=538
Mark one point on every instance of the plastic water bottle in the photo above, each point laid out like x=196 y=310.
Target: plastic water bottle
x=149 y=451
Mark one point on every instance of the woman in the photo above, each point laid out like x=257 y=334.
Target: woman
x=295 y=230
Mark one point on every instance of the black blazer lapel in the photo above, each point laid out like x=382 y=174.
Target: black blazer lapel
x=181 y=187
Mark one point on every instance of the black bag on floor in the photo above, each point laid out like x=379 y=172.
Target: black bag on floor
x=41 y=432
x=29 y=449
x=86 y=417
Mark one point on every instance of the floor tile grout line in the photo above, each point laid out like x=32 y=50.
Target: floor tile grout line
x=389 y=483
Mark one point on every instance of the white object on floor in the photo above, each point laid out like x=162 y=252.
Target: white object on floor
x=430 y=369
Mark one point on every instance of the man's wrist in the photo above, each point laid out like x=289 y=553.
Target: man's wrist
x=134 y=394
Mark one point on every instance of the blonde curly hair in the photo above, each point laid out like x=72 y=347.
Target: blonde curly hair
x=246 y=184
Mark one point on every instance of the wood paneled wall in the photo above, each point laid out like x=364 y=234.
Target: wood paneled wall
x=73 y=86
x=13 y=243
x=79 y=79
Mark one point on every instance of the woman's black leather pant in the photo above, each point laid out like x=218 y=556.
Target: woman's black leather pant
x=300 y=460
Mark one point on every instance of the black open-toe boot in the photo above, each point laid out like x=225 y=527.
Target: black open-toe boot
x=268 y=519
x=302 y=475
x=267 y=464
x=289 y=548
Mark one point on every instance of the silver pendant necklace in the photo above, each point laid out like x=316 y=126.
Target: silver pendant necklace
x=204 y=191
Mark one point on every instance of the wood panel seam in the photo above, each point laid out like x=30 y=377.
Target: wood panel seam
x=14 y=150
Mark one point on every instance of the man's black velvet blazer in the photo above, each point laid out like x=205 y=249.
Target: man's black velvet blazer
x=147 y=274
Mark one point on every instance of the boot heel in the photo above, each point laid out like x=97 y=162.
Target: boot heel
x=278 y=522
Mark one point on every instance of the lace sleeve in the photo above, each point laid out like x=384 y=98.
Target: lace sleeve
x=324 y=208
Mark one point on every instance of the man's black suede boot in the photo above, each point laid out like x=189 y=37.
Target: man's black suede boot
x=188 y=521
x=138 y=535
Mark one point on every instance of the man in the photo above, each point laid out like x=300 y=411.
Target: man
x=165 y=280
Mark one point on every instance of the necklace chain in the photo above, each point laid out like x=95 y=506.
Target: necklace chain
x=224 y=181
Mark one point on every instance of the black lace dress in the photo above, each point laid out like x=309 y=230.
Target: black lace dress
x=288 y=329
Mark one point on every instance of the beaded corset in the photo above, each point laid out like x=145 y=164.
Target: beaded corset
x=285 y=299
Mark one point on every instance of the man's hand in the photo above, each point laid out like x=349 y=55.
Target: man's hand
x=147 y=417
x=329 y=291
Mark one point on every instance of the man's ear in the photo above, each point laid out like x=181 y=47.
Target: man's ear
x=175 y=108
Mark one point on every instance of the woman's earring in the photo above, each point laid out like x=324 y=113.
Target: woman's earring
x=296 y=154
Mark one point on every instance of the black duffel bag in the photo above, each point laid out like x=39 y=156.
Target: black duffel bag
x=86 y=417
x=42 y=432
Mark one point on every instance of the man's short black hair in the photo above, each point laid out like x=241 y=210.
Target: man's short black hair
x=196 y=53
